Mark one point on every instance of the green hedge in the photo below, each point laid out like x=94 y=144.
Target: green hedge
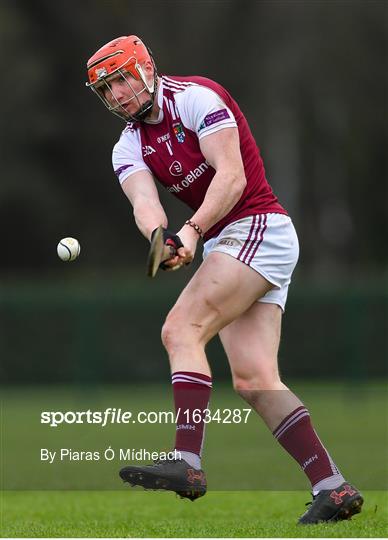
x=110 y=332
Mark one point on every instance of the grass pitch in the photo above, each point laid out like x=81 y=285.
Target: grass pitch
x=156 y=514
x=87 y=499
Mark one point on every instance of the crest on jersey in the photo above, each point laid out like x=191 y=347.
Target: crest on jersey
x=179 y=133
x=176 y=168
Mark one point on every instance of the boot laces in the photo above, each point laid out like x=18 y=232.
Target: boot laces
x=166 y=460
x=311 y=502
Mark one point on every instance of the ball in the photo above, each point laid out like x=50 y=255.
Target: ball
x=68 y=249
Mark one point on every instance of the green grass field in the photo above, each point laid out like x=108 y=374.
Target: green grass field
x=154 y=514
x=263 y=496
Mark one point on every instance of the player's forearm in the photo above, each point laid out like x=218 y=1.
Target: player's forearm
x=148 y=217
x=223 y=194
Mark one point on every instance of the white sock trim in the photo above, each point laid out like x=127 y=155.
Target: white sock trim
x=192 y=459
x=332 y=482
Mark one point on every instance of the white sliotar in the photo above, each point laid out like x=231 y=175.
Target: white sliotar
x=68 y=249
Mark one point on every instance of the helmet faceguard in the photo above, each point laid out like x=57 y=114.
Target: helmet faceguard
x=122 y=59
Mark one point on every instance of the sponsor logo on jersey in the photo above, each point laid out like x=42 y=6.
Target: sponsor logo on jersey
x=189 y=178
x=163 y=138
x=179 y=133
x=214 y=118
x=176 y=168
x=148 y=150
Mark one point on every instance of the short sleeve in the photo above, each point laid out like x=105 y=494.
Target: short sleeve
x=203 y=111
x=127 y=155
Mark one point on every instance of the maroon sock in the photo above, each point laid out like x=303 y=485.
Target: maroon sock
x=297 y=435
x=191 y=397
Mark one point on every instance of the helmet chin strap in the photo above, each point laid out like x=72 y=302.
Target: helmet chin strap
x=146 y=109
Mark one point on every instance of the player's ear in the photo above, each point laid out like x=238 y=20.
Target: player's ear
x=148 y=67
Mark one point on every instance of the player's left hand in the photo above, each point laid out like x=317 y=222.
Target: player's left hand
x=185 y=254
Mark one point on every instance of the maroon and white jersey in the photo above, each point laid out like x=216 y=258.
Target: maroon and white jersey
x=192 y=108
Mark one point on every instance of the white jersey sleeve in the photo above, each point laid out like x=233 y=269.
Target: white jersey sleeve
x=203 y=111
x=127 y=155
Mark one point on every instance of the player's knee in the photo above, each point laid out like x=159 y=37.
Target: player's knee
x=168 y=336
x=256 y=383
x=176 y=333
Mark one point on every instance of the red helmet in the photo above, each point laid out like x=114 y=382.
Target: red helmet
x=122 y=56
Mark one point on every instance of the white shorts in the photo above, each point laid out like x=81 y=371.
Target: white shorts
x=267 y=243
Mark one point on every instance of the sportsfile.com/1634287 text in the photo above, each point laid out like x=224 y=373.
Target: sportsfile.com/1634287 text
x=118 y=416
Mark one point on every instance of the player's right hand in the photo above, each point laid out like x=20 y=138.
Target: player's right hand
x=172 y=240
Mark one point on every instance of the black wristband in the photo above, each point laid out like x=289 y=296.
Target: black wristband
x=169 y=238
